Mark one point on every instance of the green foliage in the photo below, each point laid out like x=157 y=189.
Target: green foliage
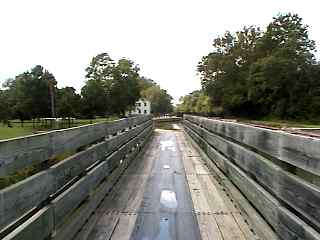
x=125 y=88
x=94 y=99
x=96 y=92
x=110 y=88
x=287 y=37
x=28 y=94
x=68 y=102
x=253 y=74
x=195 y=102
x=145 y=83
x=159 y=98
x=5 y=111
x=161 y=101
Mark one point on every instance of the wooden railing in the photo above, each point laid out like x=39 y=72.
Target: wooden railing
x=276 y=171
x=55 y=202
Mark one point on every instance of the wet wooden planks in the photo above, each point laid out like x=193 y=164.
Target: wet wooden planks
x=116 y=217
x=216 y=214
x=218 y=218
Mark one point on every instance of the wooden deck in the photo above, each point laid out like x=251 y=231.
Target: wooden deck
x=168 y=193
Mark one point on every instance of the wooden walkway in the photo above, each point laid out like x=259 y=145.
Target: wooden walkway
x=168 y=193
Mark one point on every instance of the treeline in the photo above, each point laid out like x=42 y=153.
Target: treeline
x=111 y=88
x=195 y=102
x=255 y=73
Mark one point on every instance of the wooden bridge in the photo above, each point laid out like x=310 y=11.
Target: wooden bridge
x=206 y=179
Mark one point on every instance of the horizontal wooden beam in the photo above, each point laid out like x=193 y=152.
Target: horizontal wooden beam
x=300 y=151
x=18 y=153
x=247 y=172
x=294 y=191
x=20 y=198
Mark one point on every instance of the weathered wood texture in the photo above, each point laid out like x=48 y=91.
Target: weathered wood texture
x=16 y=154
x=300 y=151
x=70 y=189
x=78 y=218
x=38 y=226
x=289 y=203
x=263 y=229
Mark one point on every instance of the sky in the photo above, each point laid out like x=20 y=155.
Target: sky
x=165 y=38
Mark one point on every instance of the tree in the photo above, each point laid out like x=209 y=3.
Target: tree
x=125 y=88
x=288 y=37
x=161 y=101
x=186 y=104
x=29 y=93
x=110 y=88
x=145 y=83
x=224 y=71
x=101 y=69
x=254 y=74
x=68 y=102
x=195 y=102
x=270 y=83
x=96 y=92
x=279 y=81
x=5 y=110
x=94 y=99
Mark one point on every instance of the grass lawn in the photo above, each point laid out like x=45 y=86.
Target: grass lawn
x=6 y=132
x=18 y=131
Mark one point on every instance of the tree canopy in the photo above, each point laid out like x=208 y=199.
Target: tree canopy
x=125 y=89
x=255 y=73
x=110 y=88
x=195 y=102
x=28 y=94
x=161 y=101
x=69 y=103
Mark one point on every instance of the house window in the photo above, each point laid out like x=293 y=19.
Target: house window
x=145 y=111
x=139 y=111
x=145 y=104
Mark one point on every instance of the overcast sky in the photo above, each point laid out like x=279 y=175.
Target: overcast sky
x=167 y=38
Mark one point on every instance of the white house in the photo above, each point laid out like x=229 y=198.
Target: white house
x=142 y=106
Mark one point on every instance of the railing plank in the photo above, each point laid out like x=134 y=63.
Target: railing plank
x=37 y=227
x=300 y=151
x=75 y=221
x=111 y=179
x=69 y=200
x=16 y=154
x=281 y=219
x=19 y=198
x=299 y=194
